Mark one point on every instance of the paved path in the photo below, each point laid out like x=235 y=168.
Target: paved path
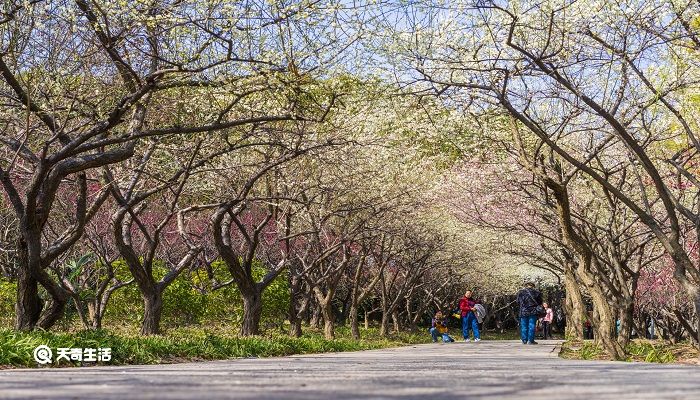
x=486 y=370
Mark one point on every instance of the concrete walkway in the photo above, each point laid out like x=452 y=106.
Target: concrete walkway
x=486 y=370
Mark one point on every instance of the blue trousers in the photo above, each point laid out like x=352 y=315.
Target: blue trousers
x=445 y=337
x=470 y=323
x=527 y=328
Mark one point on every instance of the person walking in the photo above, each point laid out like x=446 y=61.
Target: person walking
x=547 y=322
x=529 y=299
x=469 y=319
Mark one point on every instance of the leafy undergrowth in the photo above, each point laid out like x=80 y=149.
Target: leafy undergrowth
x=188 y=344
x=639 y=350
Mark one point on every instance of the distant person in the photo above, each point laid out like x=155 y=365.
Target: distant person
x=588 y=327
x=587 y=330
x=651 y=328
x=546 y=321
x=529 y=299
x=469 y=318
x=439 y=328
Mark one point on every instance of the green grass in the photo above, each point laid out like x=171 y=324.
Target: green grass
x=581 y=351
x=650 y=352
x=202 y=343
x=16 y=348
x=638 y=350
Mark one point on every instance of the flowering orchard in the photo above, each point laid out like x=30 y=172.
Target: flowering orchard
x=316 y=163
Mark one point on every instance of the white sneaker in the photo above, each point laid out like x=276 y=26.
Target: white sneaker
x=477 y=340
x=467 y=340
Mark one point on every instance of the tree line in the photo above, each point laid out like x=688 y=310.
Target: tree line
x=591 y=106
x=176 y=138
x=379 y=156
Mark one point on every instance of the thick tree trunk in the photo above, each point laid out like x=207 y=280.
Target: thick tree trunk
x=152 y=311
x=604 y=317
x=354 y=322
x=294 y=320
x=605 y=325
x=95 y=314
x=384 y=324
x=626 y=323
x=575 y=311
x=328 y=320
x=605 y=322
x=28 y=306
x=295 y=328
x=252 y=311
x=59 y=298
x=53 y=312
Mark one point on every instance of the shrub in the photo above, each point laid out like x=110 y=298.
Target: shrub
x=8 y=293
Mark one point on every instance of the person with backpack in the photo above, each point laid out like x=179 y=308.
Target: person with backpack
x=530 y=302
x=467 y=308
x=439 y=328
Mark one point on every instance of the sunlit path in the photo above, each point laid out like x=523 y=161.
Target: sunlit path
x=496 y=370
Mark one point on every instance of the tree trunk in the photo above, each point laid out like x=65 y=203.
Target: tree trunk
x=294 y=318
x=59 y=298
x=574 y=307
x=82 y=309
x=692 y=333
x=252 y=311
x=28 y=306
x=367 y=319
x=95 y=314
x=328 y=321
x=604 y=325
x=343 y=313
x=315 y=322
x=696 y=302
x=52 y=313
x=306 y=315
x=384 y=324
x=354 y=322
x=395 y=321
x=626 y=322
x=152 y=311
x=97 y=322
x=295 y=328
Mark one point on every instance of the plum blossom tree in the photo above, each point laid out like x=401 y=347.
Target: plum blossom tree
x=601 y=84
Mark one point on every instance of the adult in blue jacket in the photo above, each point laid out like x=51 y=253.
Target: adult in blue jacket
x=528 y=300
